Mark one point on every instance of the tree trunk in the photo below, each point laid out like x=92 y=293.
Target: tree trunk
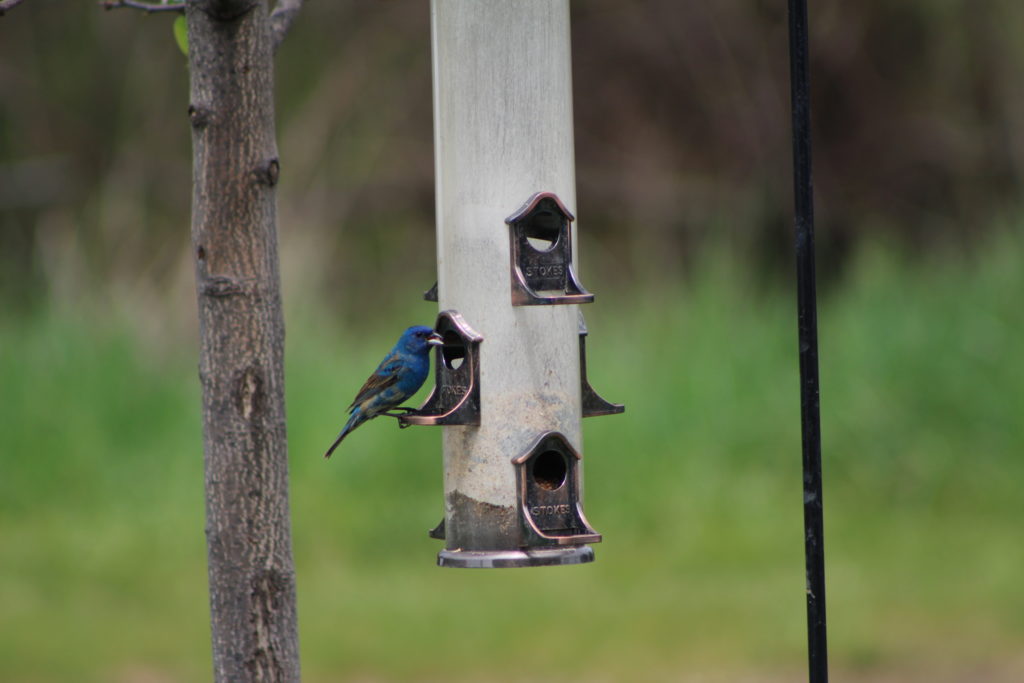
x=241 y=327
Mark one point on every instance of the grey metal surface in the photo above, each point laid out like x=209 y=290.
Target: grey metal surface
x=498 y=559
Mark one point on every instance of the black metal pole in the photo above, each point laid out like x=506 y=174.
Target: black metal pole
x=814 y=536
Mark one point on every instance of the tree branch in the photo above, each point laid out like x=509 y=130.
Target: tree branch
x=281 y=20
x=147 y=7
x=8 y=4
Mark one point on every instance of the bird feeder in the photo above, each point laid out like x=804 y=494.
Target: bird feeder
x=511 y=411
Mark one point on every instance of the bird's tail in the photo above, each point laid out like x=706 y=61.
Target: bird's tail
x=354 y=421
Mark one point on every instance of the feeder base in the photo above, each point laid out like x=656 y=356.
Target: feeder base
x=495 y=559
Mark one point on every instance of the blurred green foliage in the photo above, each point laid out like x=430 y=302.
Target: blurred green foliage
x=697 y=489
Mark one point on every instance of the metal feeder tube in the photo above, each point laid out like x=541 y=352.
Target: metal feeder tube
x=502 y=132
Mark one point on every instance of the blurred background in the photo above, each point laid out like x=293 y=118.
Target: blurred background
x=684 y=191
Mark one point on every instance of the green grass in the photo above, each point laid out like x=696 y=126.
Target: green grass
x=696 y=489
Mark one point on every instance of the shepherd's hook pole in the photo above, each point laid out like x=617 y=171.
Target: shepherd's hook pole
x=814 y=537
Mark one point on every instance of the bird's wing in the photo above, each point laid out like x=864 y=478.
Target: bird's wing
x=374 y=385
x=387 y=373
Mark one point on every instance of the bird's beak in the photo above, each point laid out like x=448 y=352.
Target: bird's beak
x=435 y=339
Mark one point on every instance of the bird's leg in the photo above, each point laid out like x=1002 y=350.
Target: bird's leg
x=406 y=409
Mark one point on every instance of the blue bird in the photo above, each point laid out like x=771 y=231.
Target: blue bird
x=399 y=376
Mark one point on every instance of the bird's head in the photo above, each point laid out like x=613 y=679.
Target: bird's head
x=419 y=339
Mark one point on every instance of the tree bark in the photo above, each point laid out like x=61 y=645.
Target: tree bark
x=241 y=326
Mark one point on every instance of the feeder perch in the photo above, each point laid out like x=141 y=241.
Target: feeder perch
x=541 y=254
x=455 y=399
x=550 y=494
x=592 y=403
x=431 y=294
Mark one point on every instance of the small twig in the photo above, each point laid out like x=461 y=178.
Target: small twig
x=147 y=7
x=8 y=4
x=281 y=19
